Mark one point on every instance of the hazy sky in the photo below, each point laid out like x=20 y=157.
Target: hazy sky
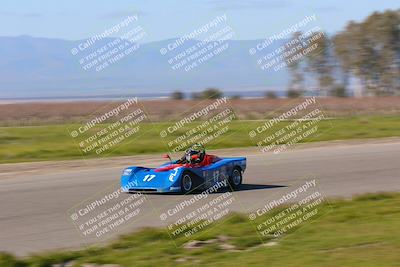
x=251 y=19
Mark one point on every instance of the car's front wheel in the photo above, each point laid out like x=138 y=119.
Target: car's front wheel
x=187 y=182
x=235 y=180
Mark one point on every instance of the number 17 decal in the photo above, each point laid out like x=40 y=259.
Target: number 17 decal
x=148 y=177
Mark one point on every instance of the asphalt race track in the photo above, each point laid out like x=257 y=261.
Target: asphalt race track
x=36 y=205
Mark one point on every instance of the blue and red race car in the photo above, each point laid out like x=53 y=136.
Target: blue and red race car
x=195 y=170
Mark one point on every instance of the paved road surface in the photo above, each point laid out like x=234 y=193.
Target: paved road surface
x=36 y=206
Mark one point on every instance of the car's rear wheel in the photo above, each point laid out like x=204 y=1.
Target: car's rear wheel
x=235 y=180
x=187 y=182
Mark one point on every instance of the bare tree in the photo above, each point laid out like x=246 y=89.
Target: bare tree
x=370 y=50
x=320 y=60
x=293 y=59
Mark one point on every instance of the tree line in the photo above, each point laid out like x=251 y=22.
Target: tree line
x=364 y=54
x=367 y=53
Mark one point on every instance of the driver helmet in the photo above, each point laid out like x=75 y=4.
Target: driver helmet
x=195 y=154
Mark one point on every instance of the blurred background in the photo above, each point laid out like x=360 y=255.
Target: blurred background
x=66 y=63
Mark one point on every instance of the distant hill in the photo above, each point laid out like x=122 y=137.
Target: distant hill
x=44 y=67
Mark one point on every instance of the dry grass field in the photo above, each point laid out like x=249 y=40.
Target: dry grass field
x=39 y=113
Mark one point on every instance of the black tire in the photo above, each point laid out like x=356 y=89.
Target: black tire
x=235 y=180
x=185 y=185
